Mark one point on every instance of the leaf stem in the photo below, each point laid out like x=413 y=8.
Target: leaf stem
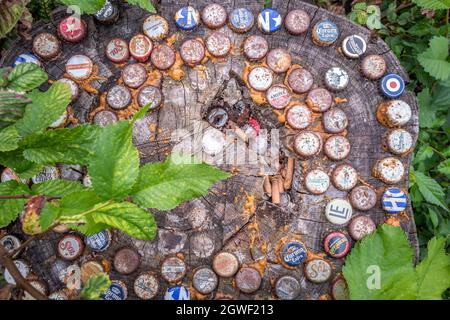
x=434 y=149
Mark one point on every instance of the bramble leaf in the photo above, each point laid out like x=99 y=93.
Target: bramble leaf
x=56 y=188
x=444 y=167
x=434 y=59
x=429 y=188
x=11 y=208
x=95 y=286
x=85 y=6
x=433 y=4
x=144 y=4
x=25 y=77
x=9 y=138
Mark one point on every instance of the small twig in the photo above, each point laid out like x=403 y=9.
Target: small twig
x=289 y=173
x=22 y=246
x=267 y=186
x=275 y=191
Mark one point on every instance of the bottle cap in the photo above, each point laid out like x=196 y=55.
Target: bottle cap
x=279 y=60
x=103 y=118
x=214 y=16
x=399 y=141
x=300 y=80
x=146 y=286
x=248 y=280
x=47 y=174
x=389 y=170
x=100 y=241
x=260 y=78
x=325 y=33
x=173 y=269
x=58 y=295
x=337 y=245
x=60 y=122
x=344 y=177
x=335 y=120
x=79 y=67
x=156 y=27
x=117 y=50
x=287 y=288
x=293 y=253
x=241 y=20
x=255 y=47
x=22 y=266
x=218 y=44
x=297 y=22
x=192 y=51
x=317 y=181
x=46 y=46
x=70 y=247
x=318 y=270
x=119 y=97
x=74 y=89
x=72 y=29
x=10 y=243
x=394 y=201
x=394 y=113
x=319 y=99
x=225 y=264
x=307 y=144
x=269 y=20
x=150 y=94
x=177 y=293
x=70 y=276
x=126 y=261
x=140 y=47
x=205 y=280
x=392 y=85
x=26 y=57
x=360 y=227
x=278 y=96
x=89 y=269
x=336 y=79
x=163 y=57
x=299 y=117
x=134 y=75
x=213 y=141
x=363 y=198
x=187 y=18
x=8 y=175
x=108 y=14
x=338 y=211
x=339 y=289
x=217 y=117
x=373 y=67
x=337 y=147
x=354 y=46
x=117 y=291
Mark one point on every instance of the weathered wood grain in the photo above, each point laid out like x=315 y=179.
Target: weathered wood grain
x=224 y=219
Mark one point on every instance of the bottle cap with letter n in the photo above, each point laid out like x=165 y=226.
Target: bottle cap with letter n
x=187 y=18
x=177 y=293
x=269 y=20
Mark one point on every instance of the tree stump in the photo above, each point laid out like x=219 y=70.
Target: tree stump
x=236 y=215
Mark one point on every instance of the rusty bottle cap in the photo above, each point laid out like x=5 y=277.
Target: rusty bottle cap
x=278 y=96
x=192 y=51
x=307 y=144
x=399 y=141
x=337 y=245
x=205 y=280
x=299 y=117
x=344 y=177
x=79 y=67
x=117 y=50
x=287 y=288
x=300 y=80
x=173 y=269
x=225 y=264
x=119 y=97
x=336 y=79
x=394 y=113
x=70 y=247
x=146 y=286
x=318 y=270
x=373 y=67
x=241 y=20
x=163 y=57
x=354 y=46
x=218 y=44
x=134 y=75
x=140 y=47
x=255 y=47
x=334 y=120
x=105 y=117
x=338 y=211
x=317 y=181
x=72 y=29
x=214 y=16
x=319 y=99
x=46 y=46
x=363 y=198
x=260 y=78
x=89 y=269
x=279 y=60
x=337 y=147
x=126 y=261
x=293 y=253
x=360 y=227
x=339 y=289
x=248 y=279
x=390 y=170
x=150 y=94
x=156 y=27
x=117 y=291
x=297 y=22
x=108 y=14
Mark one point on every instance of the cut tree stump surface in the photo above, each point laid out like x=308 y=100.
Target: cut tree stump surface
x=225 y=219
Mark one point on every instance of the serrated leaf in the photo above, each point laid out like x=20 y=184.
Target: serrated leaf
x=373 y=22
x=67 y=145
x=430 y=189
x=12 y=106
x=434 y=59
x=56 y=188
x=127 y=217
x=141 y=113
x=166 y=185
x=11 y=208
x=425 y=152
x=444 y=167
x=85 y=6
x=115 y=164
x=433 y=4
x=95 y=286
x=22 y=167
x=144 y=4
x=49 y=215
x=427 y=114
x=25 y=77
x=387 y=249
x=10 y=14
x=9 y=138
x=433 y=272
x=46 y=108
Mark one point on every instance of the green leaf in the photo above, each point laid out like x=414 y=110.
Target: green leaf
x=67 y=145
x=425 y=152
x=433 y=4
x=46 y=108
x=387 y=249
x=10 y=14
x=11 y=208
x=360 y=6
x=430 y=189
x=427 y=114
x=22 y=167
x=85 y=6
x=12 y=106
x=434 y=59
x=166 y=185
x=144 y=4
x=9 y=138
x=141 y=113
x=25 y=77
x=49 y=215
x=433 y=272
x=115 y=164
x=444 y=167
x=56 y=188
x=95 y=286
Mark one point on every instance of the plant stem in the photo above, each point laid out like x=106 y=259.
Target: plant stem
x=434 y=149
x=22 y=246
x=446 y=23
x=8 y=263
x=23 y=196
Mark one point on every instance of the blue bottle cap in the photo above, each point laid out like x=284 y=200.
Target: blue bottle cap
x=117 y=291
x=187 y=18
x=177 y=293
x=392 y=85
x=241 y=19
x=26 y=57
x=394 y=201
x=294 y=253
x=99 y=241
x=269 y=20
x=326 y=32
